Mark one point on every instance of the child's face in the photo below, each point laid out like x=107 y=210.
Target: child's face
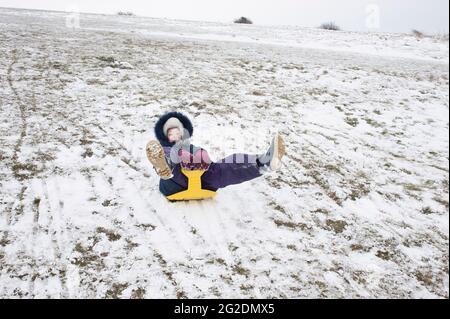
x=174 y=135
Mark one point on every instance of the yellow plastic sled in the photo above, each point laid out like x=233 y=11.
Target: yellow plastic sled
x=194 y=191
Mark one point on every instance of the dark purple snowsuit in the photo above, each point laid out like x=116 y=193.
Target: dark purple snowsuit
x=221 y=174
x=232 y=170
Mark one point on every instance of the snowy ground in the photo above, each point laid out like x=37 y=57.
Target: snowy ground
x=359 y=210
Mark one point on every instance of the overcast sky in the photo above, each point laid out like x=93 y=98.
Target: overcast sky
x=430 y=16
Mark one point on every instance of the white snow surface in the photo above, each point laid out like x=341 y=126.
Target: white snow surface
x=359 y=209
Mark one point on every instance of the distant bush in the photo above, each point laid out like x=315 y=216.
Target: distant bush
x=243 y=20
x=125 y=13
x=440 y=37
x=443 y=37
x=330 y=26
x=418 y=34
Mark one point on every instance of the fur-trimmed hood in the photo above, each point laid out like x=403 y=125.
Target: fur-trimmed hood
x=159 y=127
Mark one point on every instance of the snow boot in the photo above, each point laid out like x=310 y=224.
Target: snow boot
x=274 y=154
x=156 y=156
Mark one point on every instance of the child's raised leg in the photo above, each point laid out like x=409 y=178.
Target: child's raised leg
x=232 y=170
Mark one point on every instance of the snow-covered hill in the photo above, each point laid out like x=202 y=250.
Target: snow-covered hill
x=360 y=208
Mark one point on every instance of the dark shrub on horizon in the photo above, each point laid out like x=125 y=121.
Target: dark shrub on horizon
x=125 y=13
x=418 y=34
x=330 y=26
x=243 y=20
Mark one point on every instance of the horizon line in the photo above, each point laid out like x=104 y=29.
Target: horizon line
x=230 y=22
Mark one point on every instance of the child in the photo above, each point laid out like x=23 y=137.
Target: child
x=173 y=151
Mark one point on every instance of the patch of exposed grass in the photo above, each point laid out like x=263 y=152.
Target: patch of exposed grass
x=333 y=168
x=238 y=269
x=107 y=59
x=94 y=81
x=258 y=93
x=373 y=123
x=87 y=259
x=425 y=278
x=383 y=254
x=352 y=121
x=131 y=244
x=321 y=211
x=290 y=225
x=428 y=211
x=359 y=247
x=218 y=261
x=337 y=226
x=246 y=288
x=277 y=207
x=412 y=188
x=25 y=171
x=360 y=277
x=108 y=203
x=116 y=291
x=112 y=236
x=146 y=227
x=4 y=242
x=359 y=190
x=138 y=293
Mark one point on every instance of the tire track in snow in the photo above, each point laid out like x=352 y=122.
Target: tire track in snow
x=16 y=166
x=34 y=230
x=18 y=208
x=205 y=219
x=126 y=160
x=22 y=113
x=179 y=292
x=22 y=135
x=161 y=225
x=56 y=232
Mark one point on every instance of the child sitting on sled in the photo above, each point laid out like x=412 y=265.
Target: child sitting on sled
x=172 y=152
